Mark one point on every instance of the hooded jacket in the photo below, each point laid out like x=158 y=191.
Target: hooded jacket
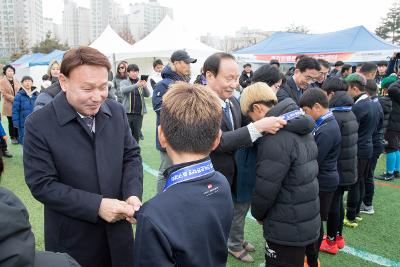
x=169 y=76
x=17 y=242
x=348 y=125
x=286 y=191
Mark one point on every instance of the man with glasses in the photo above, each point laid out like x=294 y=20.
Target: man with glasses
x=306 y=73
x=323 y=73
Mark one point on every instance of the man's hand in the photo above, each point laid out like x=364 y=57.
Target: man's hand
x=136 y=204
x=142 y=83
x=269 y=124
x=113 y=210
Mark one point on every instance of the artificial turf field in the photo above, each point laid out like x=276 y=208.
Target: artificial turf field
x=375 y=242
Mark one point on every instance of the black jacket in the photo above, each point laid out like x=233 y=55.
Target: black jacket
x=17 y=242
x=290 y=90
x=368 y=120
x=186 y=225
x=386 y=104
x=378 y=140
x=223 y=157
x=328 y=139
x=286 y=191
x=245 y=80
x=394 y=95
x=348 y=125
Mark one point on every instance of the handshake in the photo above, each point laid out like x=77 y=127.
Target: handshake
x=113 y=210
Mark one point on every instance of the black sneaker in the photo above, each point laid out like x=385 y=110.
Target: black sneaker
x=7 y=154
x=386 y=177
x=396 y=174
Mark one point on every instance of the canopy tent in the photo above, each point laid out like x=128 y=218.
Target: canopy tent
x=109 y=43
x=355 y=44
x=166 y=38
x=45 y=60
x=24 y=60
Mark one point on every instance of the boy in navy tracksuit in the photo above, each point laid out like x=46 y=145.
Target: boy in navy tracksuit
x=368 y=120
x=188 y=223
x=328 y=138
x=378 y=143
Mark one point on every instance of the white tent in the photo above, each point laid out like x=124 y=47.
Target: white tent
x=109 y=43
x=166 y=38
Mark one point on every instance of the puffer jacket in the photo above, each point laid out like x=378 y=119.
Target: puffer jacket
x=386 y=104
x=347 y=121
x=169 y=76
x=286 y=191
x=394 y=95
x=17 y=242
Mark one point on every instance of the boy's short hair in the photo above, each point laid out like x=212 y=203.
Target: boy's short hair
x=190 y=117
x=371 y=88
x=26 y=78
x=257 y=93
x=334 y=84
x=382 y=63
x=345 y=67
x=356 y=80
x=267 y=74
x=314 y=96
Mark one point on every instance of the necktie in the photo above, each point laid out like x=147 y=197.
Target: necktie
x=89 y=122
x=227 y=114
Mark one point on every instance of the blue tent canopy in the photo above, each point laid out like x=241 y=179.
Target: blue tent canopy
x=26 y=59
x=46 y=59
x=349 y=40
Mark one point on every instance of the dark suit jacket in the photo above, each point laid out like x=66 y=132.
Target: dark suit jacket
x=69 y=169
x=223 y=157
x=289 y=90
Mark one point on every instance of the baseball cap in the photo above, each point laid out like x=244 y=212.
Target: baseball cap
x=182 y=55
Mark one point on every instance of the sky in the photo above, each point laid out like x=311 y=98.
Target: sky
x=224 y=17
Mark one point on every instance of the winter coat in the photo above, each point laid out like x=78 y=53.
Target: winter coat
x=47 y=95
x=245 y=80
x=70 y=170
x=22 y=108
x=246 y=160
x=386 y=104
x=394 y=95
x=328 y=139
x=17 y=242
x=286 y=192
x=378 y=140
x=8 y=93
x=348 y=125
x=368 y=120
x=127 y=88
x=169 y=76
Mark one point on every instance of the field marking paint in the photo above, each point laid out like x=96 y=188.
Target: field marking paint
x=359 y=253
x=348 y=250
x=388 y=185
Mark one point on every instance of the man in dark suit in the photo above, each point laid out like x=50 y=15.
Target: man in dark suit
x=306 y=73
x=222 y=73
x=87 y=169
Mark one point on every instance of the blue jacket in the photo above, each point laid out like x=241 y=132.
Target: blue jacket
x=169 y=76
x=328 y=139
x=246 y=161
x=2 y=131
x=22 y=107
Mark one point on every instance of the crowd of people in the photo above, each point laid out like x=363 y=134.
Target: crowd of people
x=284 y=146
